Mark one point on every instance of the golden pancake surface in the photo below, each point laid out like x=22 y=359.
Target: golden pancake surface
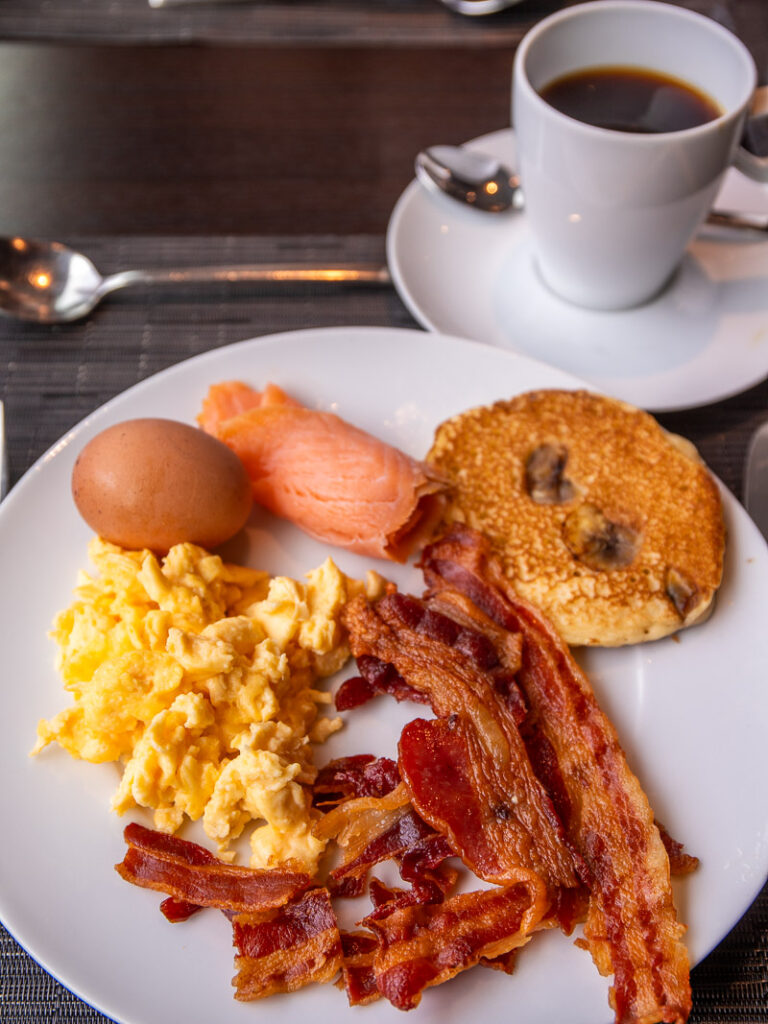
x=607 y=522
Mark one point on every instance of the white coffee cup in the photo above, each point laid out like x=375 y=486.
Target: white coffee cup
x=611 y=212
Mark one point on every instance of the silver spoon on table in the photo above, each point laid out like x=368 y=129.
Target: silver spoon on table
x=478 y=7
x=47 y=282
x=485 y=183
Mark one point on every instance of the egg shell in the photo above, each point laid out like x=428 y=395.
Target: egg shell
x=153 y=483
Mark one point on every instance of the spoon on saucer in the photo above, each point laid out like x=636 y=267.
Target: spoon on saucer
x=470 y=177
x=485 y=183
x=47 y=282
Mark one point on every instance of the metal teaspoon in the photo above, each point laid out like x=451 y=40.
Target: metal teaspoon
x=47 y=282
x=470 y=177
x=483 y=182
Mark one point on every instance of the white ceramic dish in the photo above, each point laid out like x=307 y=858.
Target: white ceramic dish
x=704 y=338
x=693 y=714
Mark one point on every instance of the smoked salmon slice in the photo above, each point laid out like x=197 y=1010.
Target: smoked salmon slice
x=336 y=482
x=230 y=398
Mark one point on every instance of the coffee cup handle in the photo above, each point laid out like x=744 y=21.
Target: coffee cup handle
x=755 y=167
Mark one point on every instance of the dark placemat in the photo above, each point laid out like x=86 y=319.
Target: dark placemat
x=305 y=22
x=317 y=22
x=51 y=377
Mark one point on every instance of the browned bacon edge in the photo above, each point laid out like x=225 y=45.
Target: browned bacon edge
x=426 y=945
x=375 y=678
x=354 y=776
x=283 y=949
x=358 y=977
x=373 y=829
x=176 y=911
x=188 y=872
x=632 y=929
x=680 y=862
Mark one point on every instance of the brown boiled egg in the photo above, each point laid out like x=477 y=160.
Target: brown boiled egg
x=153 y=483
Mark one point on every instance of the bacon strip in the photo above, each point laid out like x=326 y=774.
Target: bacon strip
x=436 y=761
x=427 y=945
x=505 y=963
x=467 y=678
x=399 y=836
x=176 y=911
x=162 y=844
x=369 y=830
x=422 y=865
x=357 y=968
x=375 y=678
x=355 y=776
x=192 y=874
x=283 y=949
x=680 y=862
x=632 y=929
x=375 y=829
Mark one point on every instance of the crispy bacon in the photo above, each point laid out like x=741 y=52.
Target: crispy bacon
x=505 y=963
x=631 y=929
x=374 y=829
x=361 y=827
x=167 y=846
x=283 y=949
x=424 y=857
x=467 y=675
x=176 y=911
x=421 y=864
x=401 y=833
x=680 y=862
x=357 y=968
x=568 y=908
x=435 y=757
x=375 y=678
x=190 y=873
x=285 y=934
x=390 y=831
x=426 y=945
x=356 y=776
x=520 y=773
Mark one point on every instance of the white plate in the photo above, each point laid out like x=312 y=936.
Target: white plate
x=693 y=714
x=468 y=273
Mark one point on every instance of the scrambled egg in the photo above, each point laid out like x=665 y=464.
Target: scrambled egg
x=199 y=677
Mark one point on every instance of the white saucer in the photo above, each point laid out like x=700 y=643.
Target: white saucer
x=467 y=273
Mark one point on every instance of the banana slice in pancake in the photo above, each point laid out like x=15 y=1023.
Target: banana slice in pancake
x=606 y=521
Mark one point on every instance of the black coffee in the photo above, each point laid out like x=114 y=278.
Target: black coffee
x=630 y=100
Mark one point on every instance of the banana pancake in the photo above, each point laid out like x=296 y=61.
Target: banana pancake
x=606 y=521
